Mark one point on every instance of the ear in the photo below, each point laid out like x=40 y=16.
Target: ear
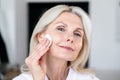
x=40 y=36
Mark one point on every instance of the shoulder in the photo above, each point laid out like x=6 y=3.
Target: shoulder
x=86 y=76
x=23 y=76
x=73 y=75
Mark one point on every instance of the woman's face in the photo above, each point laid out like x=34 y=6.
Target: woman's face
x=67 y=35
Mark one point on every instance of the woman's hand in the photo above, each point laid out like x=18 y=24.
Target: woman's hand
x=36 y=61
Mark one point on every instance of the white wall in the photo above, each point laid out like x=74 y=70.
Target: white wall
x=105 y=48
x=21 y=30
x=8 y=10
x=15 y=29
x=118 y=20
x=105 y=51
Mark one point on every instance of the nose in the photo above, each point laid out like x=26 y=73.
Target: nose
x=70 y=38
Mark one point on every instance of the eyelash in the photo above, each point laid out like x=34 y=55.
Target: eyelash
x=60 y=29
x=75 y=33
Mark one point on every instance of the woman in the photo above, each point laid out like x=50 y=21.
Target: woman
x=59 y=46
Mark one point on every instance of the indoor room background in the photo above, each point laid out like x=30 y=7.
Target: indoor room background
x=18 y=18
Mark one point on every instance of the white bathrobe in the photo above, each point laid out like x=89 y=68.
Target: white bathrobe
x=72 y=75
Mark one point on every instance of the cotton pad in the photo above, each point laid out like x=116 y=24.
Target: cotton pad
x=48 y=37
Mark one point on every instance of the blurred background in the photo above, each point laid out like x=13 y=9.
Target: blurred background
x=18 y=18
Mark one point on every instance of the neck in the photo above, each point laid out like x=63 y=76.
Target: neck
x=57 y=69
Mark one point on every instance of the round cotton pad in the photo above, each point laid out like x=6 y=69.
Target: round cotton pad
x=48 y=37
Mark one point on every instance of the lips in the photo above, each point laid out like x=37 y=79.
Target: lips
x=67 y=48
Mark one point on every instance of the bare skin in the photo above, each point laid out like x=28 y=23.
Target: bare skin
x=51 y=58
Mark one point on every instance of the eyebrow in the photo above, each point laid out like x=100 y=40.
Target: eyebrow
x=62 y=23
x=67 y=26
x=79 y=28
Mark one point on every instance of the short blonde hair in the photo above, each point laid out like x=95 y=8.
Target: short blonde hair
x=50 y=15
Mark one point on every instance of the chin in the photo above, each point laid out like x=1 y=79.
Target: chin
x=71 y=59
x=68 y=58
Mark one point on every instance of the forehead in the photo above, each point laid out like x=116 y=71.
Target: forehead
x=69 y=18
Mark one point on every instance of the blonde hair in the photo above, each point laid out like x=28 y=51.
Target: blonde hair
x=49 y=16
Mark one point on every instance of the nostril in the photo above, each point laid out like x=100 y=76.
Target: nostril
x=69 y=40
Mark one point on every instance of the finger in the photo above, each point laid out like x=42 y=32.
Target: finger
x=42 y=50
x=38 y=47
x=43 y=62
x=36 y=55
x=35 y=51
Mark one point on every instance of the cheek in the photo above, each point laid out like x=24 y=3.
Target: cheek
x=79 y=46
x=56 y=38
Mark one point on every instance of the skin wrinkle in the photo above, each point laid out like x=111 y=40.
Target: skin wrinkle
x=59 y=60
x=66 y=55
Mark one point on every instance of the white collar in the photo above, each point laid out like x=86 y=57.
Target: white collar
x=69 y=76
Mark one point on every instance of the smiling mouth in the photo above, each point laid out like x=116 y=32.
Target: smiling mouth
x=67 y=48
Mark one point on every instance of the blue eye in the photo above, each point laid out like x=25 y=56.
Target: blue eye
x=77 y=34
x=60 y=29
